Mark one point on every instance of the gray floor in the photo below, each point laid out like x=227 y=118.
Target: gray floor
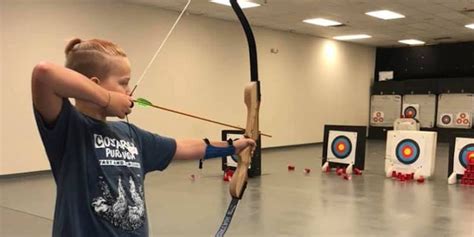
x=279 y=203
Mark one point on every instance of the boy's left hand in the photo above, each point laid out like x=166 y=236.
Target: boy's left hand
x=243 y=143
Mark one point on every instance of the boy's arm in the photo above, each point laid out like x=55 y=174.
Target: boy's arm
x=50 y=83
x=196 y=149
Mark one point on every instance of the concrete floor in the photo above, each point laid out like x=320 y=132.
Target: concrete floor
x=279 y=203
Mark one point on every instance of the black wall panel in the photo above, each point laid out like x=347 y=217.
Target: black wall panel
x=425 y=62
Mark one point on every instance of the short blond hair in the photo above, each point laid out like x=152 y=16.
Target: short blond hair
x=91 y=57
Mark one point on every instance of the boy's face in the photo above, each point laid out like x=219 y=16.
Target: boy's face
x=119 y=76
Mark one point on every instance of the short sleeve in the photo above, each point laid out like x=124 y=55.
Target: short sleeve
x=157 y=151
x=54 y=135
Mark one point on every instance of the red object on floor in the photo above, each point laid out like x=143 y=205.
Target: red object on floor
x=394 y=174
x=468 y=177
x=328 y=169
x=307 y=170
x=339 y=171
x=291 y=167
x=357 y=171
x=193 y=177
x=421 y=179
x=228 y=175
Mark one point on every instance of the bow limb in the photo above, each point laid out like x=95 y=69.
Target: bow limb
x=252 y=101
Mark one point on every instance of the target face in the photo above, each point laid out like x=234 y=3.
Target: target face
x=446 y=119
x=408 y=151
x=466 y=153
x=341 y=147
x=410 y=112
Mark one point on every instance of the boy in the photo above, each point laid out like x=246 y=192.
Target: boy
x=99 y=166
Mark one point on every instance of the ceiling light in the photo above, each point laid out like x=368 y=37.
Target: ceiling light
x=352 y=37
x=322 y=22
x=411 y=42
x=470 y=26
x=385 y=14
x=242 y=4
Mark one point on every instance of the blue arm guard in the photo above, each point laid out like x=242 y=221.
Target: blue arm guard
x=213 y=152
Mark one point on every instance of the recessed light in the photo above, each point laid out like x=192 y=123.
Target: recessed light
x=242 y=4
x=385 y=14
x=470 y=26
x=322 y=22
x=352 y=37
x=412 y=42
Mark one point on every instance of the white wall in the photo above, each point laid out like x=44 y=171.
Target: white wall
x=202 y=69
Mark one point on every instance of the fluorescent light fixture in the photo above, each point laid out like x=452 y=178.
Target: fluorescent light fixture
x=411 y=42
x=322 y=22
x=352 y=37
x=385 y=14
x=242 y=4
x=470 y=26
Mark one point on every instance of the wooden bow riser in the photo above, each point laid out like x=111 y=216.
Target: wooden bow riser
x=239 y=179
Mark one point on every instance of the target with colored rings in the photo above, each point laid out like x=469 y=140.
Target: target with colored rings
x=408 y=151
x=341 y=147
x=459 y=121
x=446 y=119
x=465 y=121
x=410 y=112
x=466 y=153
x=463 y=115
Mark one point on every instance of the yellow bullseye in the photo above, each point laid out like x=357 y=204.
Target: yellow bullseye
x=407 y=151
x=341 y=147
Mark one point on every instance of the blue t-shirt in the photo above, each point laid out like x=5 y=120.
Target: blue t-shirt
x=99 y=169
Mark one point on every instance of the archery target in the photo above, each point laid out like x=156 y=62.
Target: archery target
x=463 y=151
x=408 y=151
x=463 y=119
x=411 y=110
x=459 y=106
x=411 y=151
x=384 y=110
x=378 y=117
x=341 y=147
x=446 y=119
x=423 y=107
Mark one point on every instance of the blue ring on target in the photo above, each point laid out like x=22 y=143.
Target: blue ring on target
x=410 y=109
x=341 y=140
x=463 y=154
x=414 y=149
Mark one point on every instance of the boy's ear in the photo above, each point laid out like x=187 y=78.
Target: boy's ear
x=96 y=80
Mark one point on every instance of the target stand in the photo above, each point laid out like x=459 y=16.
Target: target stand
x=410 y=152
x=344 y=147
x=461 y=149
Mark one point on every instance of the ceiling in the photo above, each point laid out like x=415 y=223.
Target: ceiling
x=432 y=21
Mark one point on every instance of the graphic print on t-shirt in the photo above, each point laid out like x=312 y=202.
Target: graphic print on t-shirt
x=121 y=199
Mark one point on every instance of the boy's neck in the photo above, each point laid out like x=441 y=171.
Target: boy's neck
x=91 y=110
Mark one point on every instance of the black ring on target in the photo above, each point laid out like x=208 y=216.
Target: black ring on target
x=408 y=110
x=344 y=151
x=446 y=119
x=464 y=154
x=408 y=145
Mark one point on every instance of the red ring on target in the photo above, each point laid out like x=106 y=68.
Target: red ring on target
x=462 y=115
x=378 y=114
x=376 y=119
x=465 y=121
x=381 y=120
x=459 y=121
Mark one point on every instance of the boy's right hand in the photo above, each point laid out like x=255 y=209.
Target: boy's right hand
x=119 y=105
